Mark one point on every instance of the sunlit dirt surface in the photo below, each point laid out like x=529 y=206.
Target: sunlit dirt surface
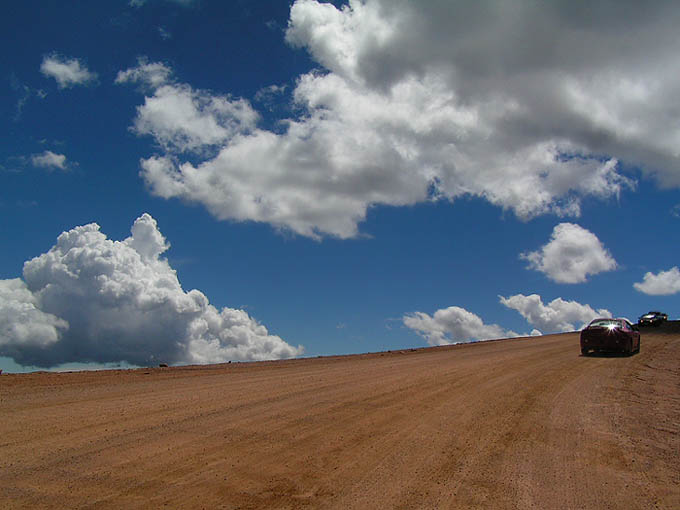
x=525 y=423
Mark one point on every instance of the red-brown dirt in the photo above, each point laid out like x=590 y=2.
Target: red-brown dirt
x=524 y=423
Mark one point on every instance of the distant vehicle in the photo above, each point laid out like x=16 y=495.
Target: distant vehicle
x=610 y=335
x=652 y=319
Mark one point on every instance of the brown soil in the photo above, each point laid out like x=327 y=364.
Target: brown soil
x=525 y=423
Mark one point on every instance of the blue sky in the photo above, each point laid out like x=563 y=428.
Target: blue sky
x=329 y=178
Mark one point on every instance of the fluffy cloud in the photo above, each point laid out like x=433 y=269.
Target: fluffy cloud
x=22 y=322
x=528 y=106
x=91 y=299
x=453 y=325
x=49 y=160
x=557 y=316
x=67 y=72
x=662 y=284
x=182 y=119
x=571 y=255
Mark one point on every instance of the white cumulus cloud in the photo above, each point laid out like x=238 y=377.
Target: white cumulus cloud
x=49 y=160
x=557 y=316
x=530 y=106
x=453 y=325
x=571 y=255
x=664 y=283
x=182 y=119
x=92 y=299
x=67 y=71
x=21 y=320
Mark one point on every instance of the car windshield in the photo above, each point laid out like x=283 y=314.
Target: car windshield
x=605 y=323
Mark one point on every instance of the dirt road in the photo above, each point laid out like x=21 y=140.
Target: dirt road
x=525 y=423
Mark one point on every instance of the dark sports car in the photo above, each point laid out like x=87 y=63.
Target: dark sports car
x=652 y=319
x=610 y=335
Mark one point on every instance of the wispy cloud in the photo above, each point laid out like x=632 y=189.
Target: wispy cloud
x=164 y=33
x=24 y=93
x=151 y=75
x=269 y=93
x=140 y=3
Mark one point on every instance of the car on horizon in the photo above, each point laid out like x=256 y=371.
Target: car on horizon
x=610 y=335
x=652 y=318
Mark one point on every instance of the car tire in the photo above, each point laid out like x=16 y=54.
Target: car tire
x=584 y=351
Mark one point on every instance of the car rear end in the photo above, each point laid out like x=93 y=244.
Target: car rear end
x=605 y=336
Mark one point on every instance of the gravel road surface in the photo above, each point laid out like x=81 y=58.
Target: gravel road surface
x=522 y=423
